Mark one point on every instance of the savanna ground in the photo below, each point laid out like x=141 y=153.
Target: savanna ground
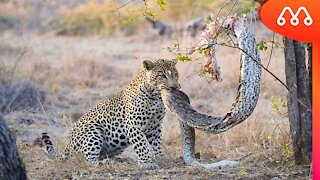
x=73 y=73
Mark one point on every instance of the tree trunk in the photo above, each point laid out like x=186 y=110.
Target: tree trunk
x=305 y=96
x=293 y=107
x=309 y=66
x=11 y=165
x=299 y=104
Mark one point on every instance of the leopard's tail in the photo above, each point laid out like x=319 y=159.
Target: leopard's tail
x=49 y=146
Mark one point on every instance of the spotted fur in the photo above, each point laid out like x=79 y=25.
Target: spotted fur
x=132 y=117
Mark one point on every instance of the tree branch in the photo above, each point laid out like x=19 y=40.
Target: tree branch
x=273 y=34
x=273 y=75
x=122 y=6
x=210 y=44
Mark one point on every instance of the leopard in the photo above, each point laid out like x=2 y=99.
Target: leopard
x=133 y=117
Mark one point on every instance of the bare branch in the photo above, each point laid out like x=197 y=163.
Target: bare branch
x=273 y=75
x=223 y=6
x=272 y=42
x=123 y=6
x=210 y=44
x=16 y=63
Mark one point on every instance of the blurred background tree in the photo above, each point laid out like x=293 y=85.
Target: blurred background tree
x=12 y=166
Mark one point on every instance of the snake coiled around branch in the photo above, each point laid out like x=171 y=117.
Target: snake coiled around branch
x=178 y=102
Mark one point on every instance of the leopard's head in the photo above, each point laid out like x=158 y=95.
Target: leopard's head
x=162 y=74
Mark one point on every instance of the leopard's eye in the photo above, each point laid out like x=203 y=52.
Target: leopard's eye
x=163 y=76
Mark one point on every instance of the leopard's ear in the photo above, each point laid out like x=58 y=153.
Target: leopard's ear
x=148 y=65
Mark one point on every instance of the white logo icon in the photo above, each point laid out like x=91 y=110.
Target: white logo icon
x=294 y=21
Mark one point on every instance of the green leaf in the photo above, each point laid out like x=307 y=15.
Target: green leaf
x=281 y=100
x=284 y=105
x=275 y=107
x=208 y=20
x=248 y=7
x=202 y=73
x=149 y=13
x=272 y=99
x=276 y=44
x=246 y=10
x=183 y=58
x=128 y=20
x=262 y=46
x=244 y=173
x=286 y=150
x=162 y=4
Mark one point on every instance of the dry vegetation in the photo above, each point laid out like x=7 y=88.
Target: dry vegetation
x=64 y=76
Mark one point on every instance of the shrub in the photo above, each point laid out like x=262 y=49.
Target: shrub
x=19 y=96
x=187 y=9
x=92 y=18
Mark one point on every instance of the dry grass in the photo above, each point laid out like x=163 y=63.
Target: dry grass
x=19 y=96
x=76 y=73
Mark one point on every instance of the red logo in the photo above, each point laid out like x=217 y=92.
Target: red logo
x=296 y=19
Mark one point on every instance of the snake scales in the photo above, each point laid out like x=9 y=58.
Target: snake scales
x=178 y=102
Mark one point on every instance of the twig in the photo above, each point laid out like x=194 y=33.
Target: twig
x=273 y=34
x=218 y=31
x=42 y=108
x=236 y=47
x=16 y=63
x=122 y=6
x=231 y=40
x=191 y=50
x=277 y=151
x=269 y=73
x=44 y=112
x=224 y=5
x=189 y=76
x=212 y=44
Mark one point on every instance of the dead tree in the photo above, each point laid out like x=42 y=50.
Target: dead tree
x=11 y=165
x=299 y=100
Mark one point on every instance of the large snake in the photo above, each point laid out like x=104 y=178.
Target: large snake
x=178 y=102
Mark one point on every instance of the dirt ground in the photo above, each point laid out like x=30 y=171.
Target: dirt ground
x=76 y=73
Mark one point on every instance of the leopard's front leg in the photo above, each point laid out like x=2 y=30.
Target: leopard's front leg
x=154 y=137
x=139 y=142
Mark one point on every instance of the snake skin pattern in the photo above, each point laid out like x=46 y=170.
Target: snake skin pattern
x=247 y=97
